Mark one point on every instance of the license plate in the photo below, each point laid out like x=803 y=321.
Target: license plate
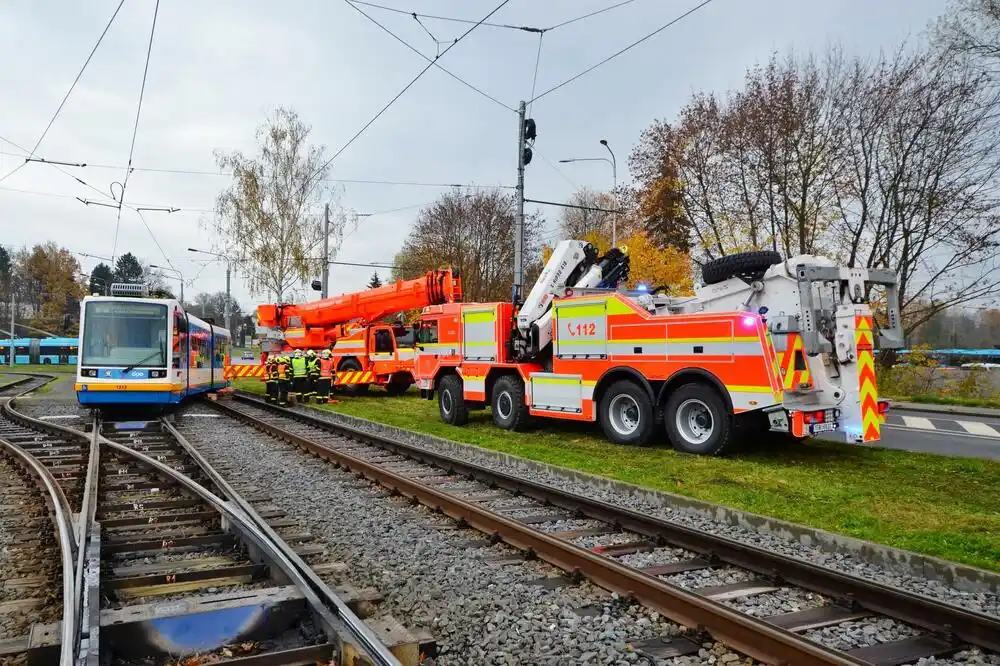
x=822 y=427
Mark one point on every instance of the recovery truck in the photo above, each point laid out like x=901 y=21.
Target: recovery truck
x=365 y=352
x=764 y=345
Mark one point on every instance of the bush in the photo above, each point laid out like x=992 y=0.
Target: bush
x=922 y=380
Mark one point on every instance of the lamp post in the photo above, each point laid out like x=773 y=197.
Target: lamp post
x=614 y=177
x=180 y=276
x=229 y=268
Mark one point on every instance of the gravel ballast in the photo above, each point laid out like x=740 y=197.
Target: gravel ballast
x=978 y=601
x=479 y=612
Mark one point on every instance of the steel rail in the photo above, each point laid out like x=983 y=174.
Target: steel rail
x=930 y=614
x=62 y=518
x=343 y=613
x=88 y=514
x=375 y=653
x=743 y=633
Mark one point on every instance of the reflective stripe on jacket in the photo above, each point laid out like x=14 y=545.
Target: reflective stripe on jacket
x=298 y=367
x=326 y=367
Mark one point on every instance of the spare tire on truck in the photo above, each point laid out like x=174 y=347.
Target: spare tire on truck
x=748 y=266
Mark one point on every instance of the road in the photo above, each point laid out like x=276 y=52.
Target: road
x=951 y=434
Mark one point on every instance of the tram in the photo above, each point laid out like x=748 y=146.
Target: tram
x=140 y=351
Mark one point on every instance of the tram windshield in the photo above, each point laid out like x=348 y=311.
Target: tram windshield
x=119 y=333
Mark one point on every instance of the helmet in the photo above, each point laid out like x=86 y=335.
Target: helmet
x=298 y=353
x=326 y=353
x=310 y=353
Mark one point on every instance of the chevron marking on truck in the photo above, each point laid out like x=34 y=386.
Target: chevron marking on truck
x=354 y=377
x=795 y=379
x=234 y=371
x=870 y=421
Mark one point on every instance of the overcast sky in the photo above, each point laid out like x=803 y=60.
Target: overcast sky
x=217 y=68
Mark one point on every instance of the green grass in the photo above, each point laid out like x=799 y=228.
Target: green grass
x=943 y=506
x=48 y=369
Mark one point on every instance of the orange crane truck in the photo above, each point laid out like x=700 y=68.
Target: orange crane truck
x=366 y=352
x=765 y=345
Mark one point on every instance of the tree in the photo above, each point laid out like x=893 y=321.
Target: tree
x=213 y=306
x=579 y=222
x=971 y=29
x=6 y=284
x=50 y=292
x=375 y=282
x=751 y=170
x=129 y=270
x=919 y=187
x=267 y=220
x=100 y=279
x=472 y=232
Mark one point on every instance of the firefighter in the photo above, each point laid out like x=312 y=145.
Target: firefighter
x=271 y=381
x=325 y=380
x=312 y=370
x=299 y=376
x=284 y=375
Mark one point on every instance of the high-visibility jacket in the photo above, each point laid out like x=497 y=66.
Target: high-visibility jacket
x=312 y=367
x=326 y=367
x=284 y=371
x=298 y=367
x=273 y=372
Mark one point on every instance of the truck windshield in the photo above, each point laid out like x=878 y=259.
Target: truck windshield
x=125 y=334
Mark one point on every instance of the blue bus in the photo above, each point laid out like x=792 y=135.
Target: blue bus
x=41 y=351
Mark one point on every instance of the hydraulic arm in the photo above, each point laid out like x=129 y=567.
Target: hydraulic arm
x=316 y=324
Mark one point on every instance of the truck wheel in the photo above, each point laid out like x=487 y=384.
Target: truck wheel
x=748 y=266
x=509 y=410
x=451 y=401
x=697 y=420
x=626 y=413
x=352 y=365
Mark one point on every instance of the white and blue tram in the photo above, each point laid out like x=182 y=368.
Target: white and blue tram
x=136 y=350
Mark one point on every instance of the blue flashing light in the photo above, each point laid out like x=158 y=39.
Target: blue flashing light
x=641 y=287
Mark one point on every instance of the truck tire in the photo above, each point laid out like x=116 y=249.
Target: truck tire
x=507 y=404
x=451 y=401
x=697 y=420
x=748 y=266
x=352 y=365
x=626 y=413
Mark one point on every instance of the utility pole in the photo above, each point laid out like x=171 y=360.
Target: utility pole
x=10 y=351
x=326 y=252
x=525 y=139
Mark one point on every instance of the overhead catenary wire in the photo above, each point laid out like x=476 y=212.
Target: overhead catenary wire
x=611 y=57
x=407 y=87
x=444 y=18
x=62 y=103
x=131 y=151
x=433 y=61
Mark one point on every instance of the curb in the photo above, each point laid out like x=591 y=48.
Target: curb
x=958 y=410
x=960 y=576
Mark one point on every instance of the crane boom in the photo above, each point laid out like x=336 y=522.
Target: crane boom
x=318 y=323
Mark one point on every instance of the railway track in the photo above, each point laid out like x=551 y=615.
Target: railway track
x=653 y=561
x=37 y=542
x=174 y=563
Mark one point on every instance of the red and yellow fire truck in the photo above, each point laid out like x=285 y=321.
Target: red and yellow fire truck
x=366 y=352
x=764 y=345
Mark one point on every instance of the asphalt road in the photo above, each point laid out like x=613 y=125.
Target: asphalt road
x=950 y=434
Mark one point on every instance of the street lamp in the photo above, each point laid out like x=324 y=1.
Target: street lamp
x=229 y=268
x=180 y=276
x=614 y=176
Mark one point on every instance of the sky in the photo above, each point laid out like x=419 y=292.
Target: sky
x=218 y=69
